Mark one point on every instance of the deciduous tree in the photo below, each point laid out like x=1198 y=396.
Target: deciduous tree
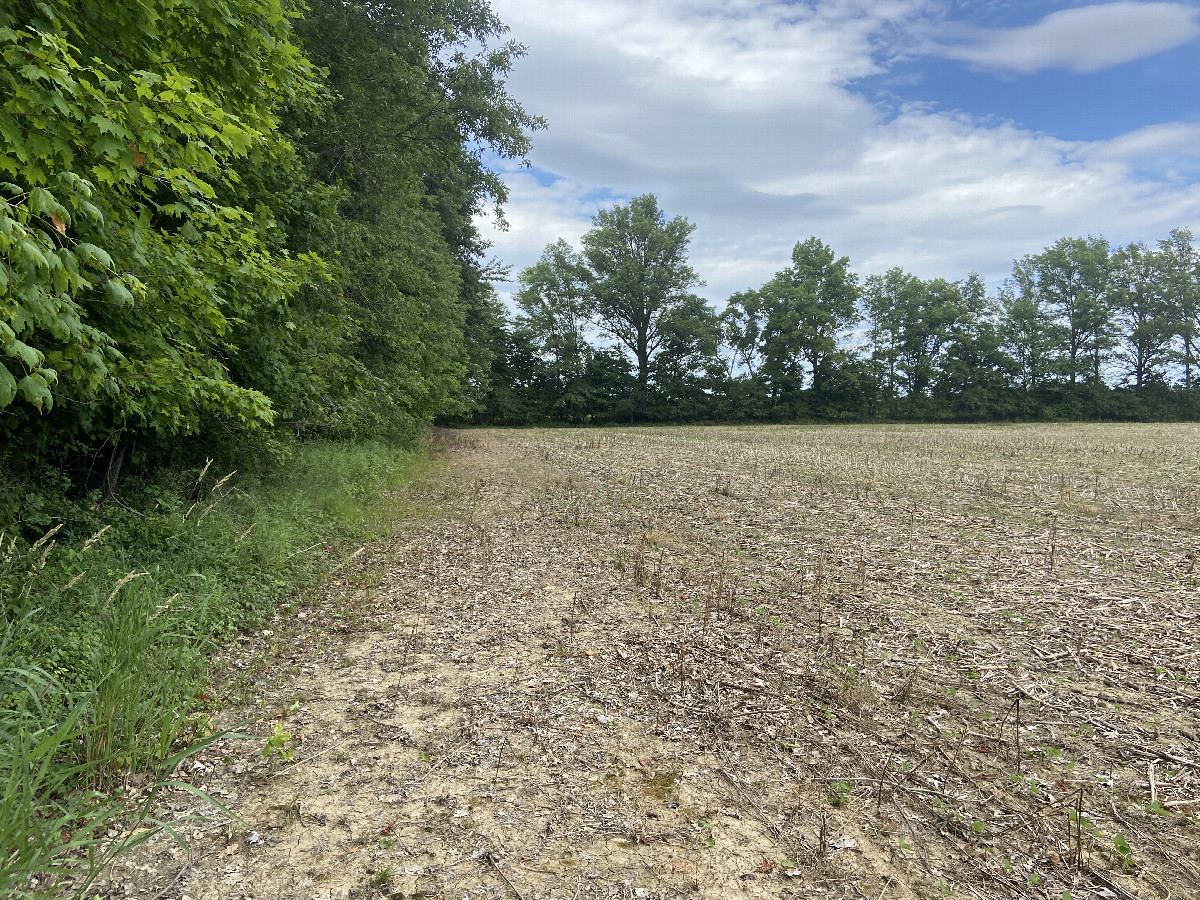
x=1071 y=280
x=1144 y=326
x=638 y=276
x=1180 y=260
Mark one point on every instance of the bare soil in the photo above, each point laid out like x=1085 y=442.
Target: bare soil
x=714 y=663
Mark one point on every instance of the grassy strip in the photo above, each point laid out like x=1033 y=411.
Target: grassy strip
x=107 y=620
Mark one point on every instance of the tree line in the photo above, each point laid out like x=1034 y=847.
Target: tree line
x=614 y=332
x=216 y=218
x=241 y=221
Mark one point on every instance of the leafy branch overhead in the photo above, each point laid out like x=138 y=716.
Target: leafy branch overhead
x=184 y=194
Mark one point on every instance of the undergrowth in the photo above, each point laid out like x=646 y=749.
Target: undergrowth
x=108 y=615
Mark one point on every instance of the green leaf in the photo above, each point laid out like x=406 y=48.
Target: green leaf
x=118 y=293
x=107 y=126
x=93 y=255
x=13 y=136
x=8 y=387
x=34 y=389
x=41 y=201
x=32 y=254
x=19 y=350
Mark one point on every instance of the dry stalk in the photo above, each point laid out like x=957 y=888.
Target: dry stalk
x=682 y=652
x=46 y=537
x=208 y=462
x=491 y=858
x=95 y=537
x=1017 y=705
x=1053 y=540
x=74 y=581
x=220 y=484
x=639 y=564
x=124 y=581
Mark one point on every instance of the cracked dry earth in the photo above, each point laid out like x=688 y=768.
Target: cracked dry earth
x=713 y=663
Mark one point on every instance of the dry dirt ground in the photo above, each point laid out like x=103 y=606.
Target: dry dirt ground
x=726 y=663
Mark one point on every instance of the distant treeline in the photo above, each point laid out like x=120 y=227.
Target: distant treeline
x=613 y=333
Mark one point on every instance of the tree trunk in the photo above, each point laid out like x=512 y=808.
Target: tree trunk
x=643 y=375
x=112 y=475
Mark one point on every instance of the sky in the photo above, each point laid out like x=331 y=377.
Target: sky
x=942 y=136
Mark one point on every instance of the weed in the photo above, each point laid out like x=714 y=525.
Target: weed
x=382 y=878
x=277 y=744
x=839 y=793
x=1121 y=845
x=110 y=614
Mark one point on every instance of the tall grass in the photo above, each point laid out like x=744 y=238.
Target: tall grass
x=108 y=616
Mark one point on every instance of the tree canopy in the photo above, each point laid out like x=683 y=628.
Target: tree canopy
x=638 y=278
x=216 y=217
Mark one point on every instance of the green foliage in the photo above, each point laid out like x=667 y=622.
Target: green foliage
x=687 y=368
x=838 y=793
x=1030 y=336
x=48 y=827
x=128 y=245
x=1071 y=279
x=277 y=744
x=790 y=330
x=203 y=232
x=911 y=323
x=1179 y=271
x=1121 y=845
x=631 y=284
x=638 y=277
x=1140 y=306
x=556 y=317
x=107 y=619
x=1077 y=333
x=976 y=373
x=400 y=144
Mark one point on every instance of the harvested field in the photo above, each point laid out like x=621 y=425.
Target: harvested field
x=733 y=662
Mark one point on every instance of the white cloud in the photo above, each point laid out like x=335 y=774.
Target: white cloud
x=738 y=115
x=1084 y=39
x=539 y=214
x=1168 y=139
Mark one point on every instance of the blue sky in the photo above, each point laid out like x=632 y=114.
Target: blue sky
x=1156 y=85
x=944 y=136
x=1088 y=107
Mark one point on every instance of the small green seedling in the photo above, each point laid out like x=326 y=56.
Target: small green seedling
x=1122 y=847
x=839 y=793
x=277 y=744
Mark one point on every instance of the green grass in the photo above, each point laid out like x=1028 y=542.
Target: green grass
x=108 y=615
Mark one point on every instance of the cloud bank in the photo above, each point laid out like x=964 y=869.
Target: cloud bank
x=742 y=116
x=1084 y=39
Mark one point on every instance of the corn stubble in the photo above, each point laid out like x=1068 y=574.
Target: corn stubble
x=783 y=661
